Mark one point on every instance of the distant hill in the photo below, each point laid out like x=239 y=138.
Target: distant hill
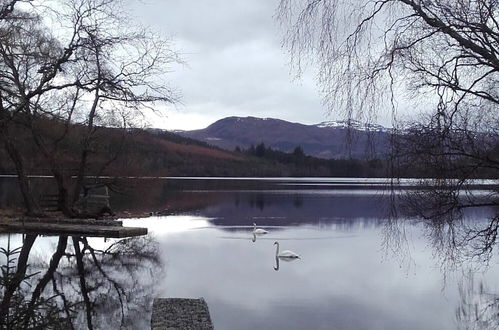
x=330 y=140
x=138 y=153
x=154 y=152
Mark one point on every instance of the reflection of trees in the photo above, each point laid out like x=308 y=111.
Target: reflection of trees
x=457 y=243
x=297 y=201
x=80 y=287
x=478 y=308
x=14 y=305
x=394 y=238
x=483 y=239
x=443 y=213
x=258 y=200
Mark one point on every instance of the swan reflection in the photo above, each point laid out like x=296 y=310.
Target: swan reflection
x=277 y=260
x=258 y=232
x=284 y=255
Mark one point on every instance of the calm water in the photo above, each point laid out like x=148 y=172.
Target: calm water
x=359 y=267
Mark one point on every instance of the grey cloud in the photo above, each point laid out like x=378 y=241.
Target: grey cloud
x=212 y=23
x=235 y=65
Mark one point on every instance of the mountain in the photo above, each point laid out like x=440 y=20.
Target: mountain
x=135 y=152
x=330 y=140
x=154 y=152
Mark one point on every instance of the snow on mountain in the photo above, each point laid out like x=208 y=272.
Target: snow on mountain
x=353 y=124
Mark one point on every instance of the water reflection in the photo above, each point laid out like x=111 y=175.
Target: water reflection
x=277 y=260
x=81 y=283
x=286 y=254
x=339 y=282
x=354 y=282
x=363 y=267
x=458 y=231
x=479 y=307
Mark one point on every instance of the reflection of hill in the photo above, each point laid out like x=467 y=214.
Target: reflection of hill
x=158 y=196
x=268 y=208
x=184 y=202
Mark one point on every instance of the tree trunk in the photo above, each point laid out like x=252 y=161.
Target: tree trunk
x=29 y=202
x=54 y=263
x=64 y=200
x=83 y=284
x=64 y=204
x=80 y=176
x=12 y=285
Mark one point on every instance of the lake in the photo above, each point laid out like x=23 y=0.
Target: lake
x=362 y=266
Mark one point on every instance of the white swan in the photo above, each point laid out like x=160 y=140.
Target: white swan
x=259 y=231
x=285 y=254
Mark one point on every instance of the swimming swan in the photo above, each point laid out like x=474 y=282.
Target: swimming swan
x=285 y=254
x=259 y=231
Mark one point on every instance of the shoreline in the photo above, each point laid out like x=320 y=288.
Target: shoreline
x=19 y=214
x=14 y=221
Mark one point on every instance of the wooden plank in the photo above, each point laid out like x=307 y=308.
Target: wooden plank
x=50 y=202
x=71 y=221
x=71 y=229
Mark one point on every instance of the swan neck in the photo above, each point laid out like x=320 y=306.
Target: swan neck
x=277 y=249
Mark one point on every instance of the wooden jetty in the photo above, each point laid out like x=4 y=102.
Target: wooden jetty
x=180 y=314
x=70 y=227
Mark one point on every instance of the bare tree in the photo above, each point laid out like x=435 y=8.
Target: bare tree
x=440 y=57
x=7 y=113
x=372 y=55
x=369 y=50
x=64 y=83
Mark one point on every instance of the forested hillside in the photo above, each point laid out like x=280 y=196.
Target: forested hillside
x=140 y=152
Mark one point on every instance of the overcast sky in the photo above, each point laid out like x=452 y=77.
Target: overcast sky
x=235 y=65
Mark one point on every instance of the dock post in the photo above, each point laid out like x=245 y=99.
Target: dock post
x=180 y=314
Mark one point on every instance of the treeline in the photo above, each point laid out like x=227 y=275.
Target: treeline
x=297 y=163
x=160 y=153
x=168 y=154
